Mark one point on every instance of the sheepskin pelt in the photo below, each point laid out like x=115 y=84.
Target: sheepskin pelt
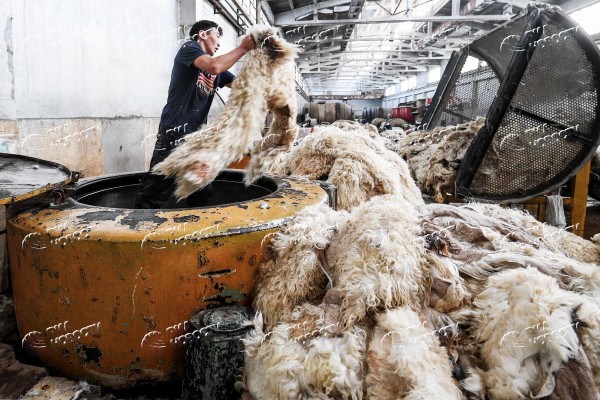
x=527 y=328
x=293 y=271
x=462 y=352
x=273 y=149
x=406 y=361
x=369 y=259
x=353 y=126
x=553 y=238
x=358 y=165
x=502 y=305
x=485 y=239
x=377 y=259
x=434 y=156
x=262 y=84
x=308 y=358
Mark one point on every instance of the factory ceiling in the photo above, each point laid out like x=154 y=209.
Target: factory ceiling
x=364 y=46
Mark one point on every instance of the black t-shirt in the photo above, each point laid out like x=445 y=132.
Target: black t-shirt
x=191 y=90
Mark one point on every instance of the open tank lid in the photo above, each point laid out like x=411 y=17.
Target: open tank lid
x=22 y=177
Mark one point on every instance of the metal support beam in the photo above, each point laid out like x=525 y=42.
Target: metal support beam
x=301 y=92
x=264 y=5
x=302 y=12
x=325 y=52
x=455 y=8
x=397 y=19
x=334 y=96
x=404 y=60
x=390 y=70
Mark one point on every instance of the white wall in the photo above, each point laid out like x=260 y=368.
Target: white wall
x=7 y=86
x=101 y=67
x=92 y=58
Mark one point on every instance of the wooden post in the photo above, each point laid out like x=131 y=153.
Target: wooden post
x=580 y=194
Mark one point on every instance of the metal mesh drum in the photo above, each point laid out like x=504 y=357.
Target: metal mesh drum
x=543 y=123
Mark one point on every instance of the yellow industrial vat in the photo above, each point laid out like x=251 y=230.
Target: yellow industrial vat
x=105 y=293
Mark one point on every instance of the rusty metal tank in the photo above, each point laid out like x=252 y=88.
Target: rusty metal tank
x=104 y=292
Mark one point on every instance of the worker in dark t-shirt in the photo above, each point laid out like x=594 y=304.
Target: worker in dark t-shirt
x=196 y=77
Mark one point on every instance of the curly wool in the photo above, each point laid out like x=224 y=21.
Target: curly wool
x=374 y=263
x=358 y=165
x=433 y=156
x=527 y=328
x=306 y=358
x=294 y=272
x=406 y=361
x=259 y=86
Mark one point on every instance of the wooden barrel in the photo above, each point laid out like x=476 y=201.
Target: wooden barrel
x=314 y=110
x=329 y=113
x=321 y=114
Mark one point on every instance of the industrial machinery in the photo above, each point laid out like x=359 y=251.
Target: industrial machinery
x=540 y=93
x=104 y=292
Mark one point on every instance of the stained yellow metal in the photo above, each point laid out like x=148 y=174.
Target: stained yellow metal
x=105 y=294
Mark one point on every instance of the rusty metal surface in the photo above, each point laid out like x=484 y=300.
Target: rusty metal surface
x=23 y=177
x=106 y=294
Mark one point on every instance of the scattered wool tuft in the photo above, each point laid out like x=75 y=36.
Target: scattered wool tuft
x=358 y=165
x=259 y=86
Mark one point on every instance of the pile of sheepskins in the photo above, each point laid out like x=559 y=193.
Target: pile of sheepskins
x=391 y=298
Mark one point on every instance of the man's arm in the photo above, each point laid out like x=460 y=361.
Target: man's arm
x=216 y=65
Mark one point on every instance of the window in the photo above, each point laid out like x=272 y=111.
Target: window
x=587 y=18
x=412 y=82
x=434 y=74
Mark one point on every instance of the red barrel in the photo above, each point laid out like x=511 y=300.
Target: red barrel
x=406 y=114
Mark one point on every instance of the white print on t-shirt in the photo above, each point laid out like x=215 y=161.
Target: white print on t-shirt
x=206 y=83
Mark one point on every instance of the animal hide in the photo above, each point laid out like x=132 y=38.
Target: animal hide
x=306 y=358
x=434 y=156
x=293 y=271
x=262 y=84
x=376 y=259
x=406 y=361
x=527 y=327
x=503 y=306
x=358 y=165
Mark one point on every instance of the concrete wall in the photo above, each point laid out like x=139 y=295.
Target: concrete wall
x=83 y=82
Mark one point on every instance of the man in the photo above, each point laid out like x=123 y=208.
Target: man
x=195 y=78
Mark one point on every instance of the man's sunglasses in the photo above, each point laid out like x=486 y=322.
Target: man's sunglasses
x=218 y=28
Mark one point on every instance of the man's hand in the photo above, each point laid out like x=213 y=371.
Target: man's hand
x=247 y=43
